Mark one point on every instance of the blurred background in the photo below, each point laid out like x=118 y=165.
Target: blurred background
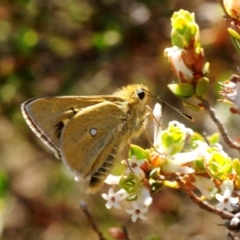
x=91 y=47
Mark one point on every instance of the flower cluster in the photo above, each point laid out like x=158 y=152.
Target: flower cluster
x=134 y=194
x=179 y=158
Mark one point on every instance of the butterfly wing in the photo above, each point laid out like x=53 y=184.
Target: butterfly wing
x=46 y=115
x=91 y=139
x=86 y=132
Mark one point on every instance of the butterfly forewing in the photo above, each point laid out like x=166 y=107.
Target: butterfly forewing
x=46 y=115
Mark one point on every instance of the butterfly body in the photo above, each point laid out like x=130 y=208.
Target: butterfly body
x=88 y=132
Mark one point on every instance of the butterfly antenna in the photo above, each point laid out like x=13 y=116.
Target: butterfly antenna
x=174 y=108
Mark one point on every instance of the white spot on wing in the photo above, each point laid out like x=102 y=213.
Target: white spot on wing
x=93 y=132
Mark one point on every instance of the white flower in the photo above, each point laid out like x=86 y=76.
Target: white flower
x=141 y=204
x=175 y=163
x=204 y=185
x=134 y=166
x=112 y=180
x=219 y=149
x=113 y=199
x=226 y=200
x=199 y=152
x=157 y=112
x=174 y=55
x=145 y=197
x=227 y=184
x=172 y=166
x=137 y=211
x=186 y=157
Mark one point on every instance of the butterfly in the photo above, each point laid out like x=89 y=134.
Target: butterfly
x=88 y=132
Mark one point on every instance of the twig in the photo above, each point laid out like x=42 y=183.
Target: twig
x=125 y=233
x=90 y=219
x=220 y=126
x=233 y=235
x=203 y=204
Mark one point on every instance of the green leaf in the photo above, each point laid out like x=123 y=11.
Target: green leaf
x=236 y=165
x=183 y=90
x=3 y=183
x=177 y=39
x=130 y=183
x=234 y=34
x=202 y=87
x=190 y=32
x=214 y=138
x=220 y=166
x=132 y=197
x=154 y=238
x=179 y=24
x=137 y=151
x=167 y=140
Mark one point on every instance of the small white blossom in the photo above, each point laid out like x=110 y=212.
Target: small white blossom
x=172 y=166
x=157 y=112
x=134 y=166
x=112 y=180
x=174 y=55
x=204 y=185
x=113 y=199
x=137 y=211
x=227 y=184
x=186 y=157
x=175 y=163
x=226 y=201
x=219 y=149
x=199 y=152
x=145 y=196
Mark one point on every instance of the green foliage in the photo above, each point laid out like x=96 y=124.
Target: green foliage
x=138 y=152
x=220 y=166
x=184 y=28
x=184 y=90
x=235 y=37
x=4 y=184
x=202 y=87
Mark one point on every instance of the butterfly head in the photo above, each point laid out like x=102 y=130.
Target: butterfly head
x=135 y=94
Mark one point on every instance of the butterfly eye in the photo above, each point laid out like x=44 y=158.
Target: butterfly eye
x=141 y=94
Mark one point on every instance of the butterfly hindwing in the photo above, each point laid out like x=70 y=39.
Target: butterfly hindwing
x=92 y=137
